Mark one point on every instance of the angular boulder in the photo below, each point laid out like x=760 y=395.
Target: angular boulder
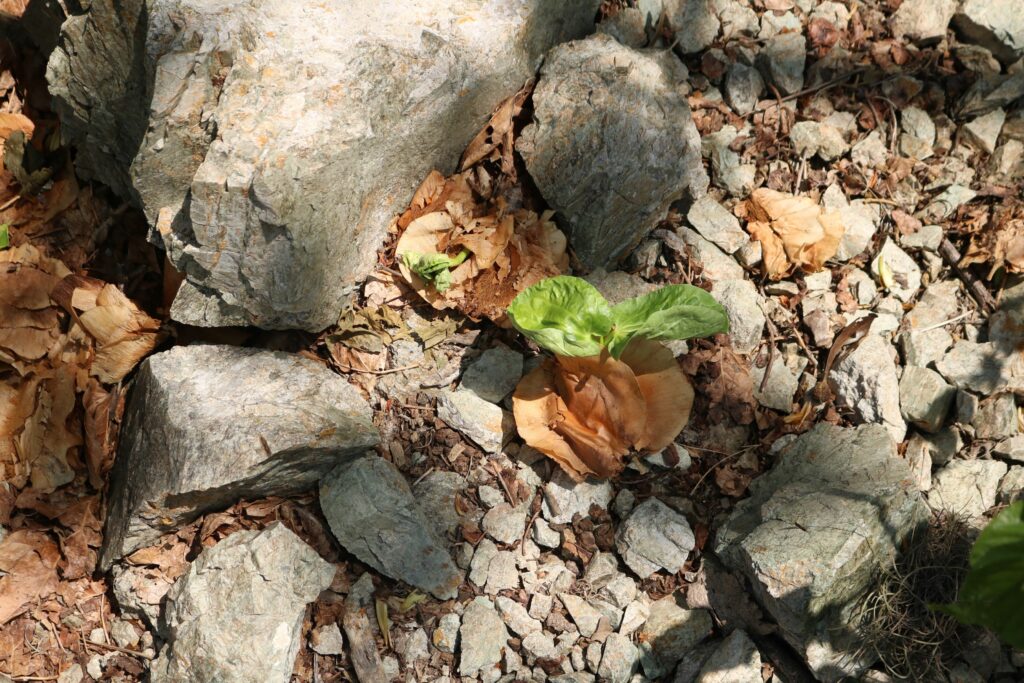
x=271 y=142
x=236 y=614
x=373 y=514
x=815 y=530
x=612 y=143
x=206 y=426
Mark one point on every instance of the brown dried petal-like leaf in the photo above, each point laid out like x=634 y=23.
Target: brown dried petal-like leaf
x=536 y=407
x=808 y=237
x=29 y=561
x=667 y=392
x=604 y=396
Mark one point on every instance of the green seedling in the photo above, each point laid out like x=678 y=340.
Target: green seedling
x=434 y=268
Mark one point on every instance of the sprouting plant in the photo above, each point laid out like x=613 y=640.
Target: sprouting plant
x=612 y=387
x=434 y=268
x=568 y=316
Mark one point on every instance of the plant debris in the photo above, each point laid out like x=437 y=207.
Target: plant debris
x=794 y=232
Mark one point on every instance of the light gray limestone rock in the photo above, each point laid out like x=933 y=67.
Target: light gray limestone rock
x=967 y=487
x=494 y=374
x=984 y=367
x=271 y=143
x=718 y=266
x=236 y=614
x=735 y=661
x=782 y=61
x=482 y=422
x=815 y=530
x=653 y=537
x=717 y=224
x=925 y=398
x=206 y=426
x=374 y=516
x=742 y=302
x=925 y=339
x=564 y=498
x=743 y=88
x=612 y=144
x=997 y=25
x=619 y=659
x=483 y=636
x=923 y=21
x=670 y=632
x=865 y=381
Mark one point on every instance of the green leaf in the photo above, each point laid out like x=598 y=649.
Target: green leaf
x=563 y=314
x=672 y=312
x=5 y=235
x=993 y=593
x=434 y=268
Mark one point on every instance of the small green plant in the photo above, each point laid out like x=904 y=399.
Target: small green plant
x=569 y=317
x=993 y=592
x=5 y=236
x=434 y=268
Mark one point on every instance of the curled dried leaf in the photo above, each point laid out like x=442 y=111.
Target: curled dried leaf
x=794 y=232
x=587 y=413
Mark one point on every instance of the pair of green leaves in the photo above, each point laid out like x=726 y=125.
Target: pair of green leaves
x=434 y=268
x=993 y=593
x=568 y=316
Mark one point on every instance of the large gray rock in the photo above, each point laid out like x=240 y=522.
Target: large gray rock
x=815 y=530
x=654 y=537
x=206 y=426
x=372 y=513
x=997 y=25
x=236 y=614
x=735 y=661
x=612 y=144
x=865 y=381
x=271 y=142
x=483 y=636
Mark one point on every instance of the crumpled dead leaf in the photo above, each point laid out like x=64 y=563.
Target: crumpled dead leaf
x=1001 y=244
x=28 y=560
x=123 y=333
x=510 y=250
x=794 y=232
x=587 y=413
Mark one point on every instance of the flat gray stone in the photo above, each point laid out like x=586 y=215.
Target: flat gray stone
x=984 y=367
x=812 y=138
x=1011 y=486
x=717 y=224
x=728 y=172
x=670 y=632
x=373 y=514
x=994 y=24
x=816 y=529
x=718 y=266
x=695 y=22
x=653 y=537
x=480 y=421
x=619 y=659
x=206 y=426
x=925 y=398
x=996 y=418
x=446 y=636
x=483 y=636
x=967 y=487
x=865 y=381
x=918 y=137
x=236 y=614
x=584 y=615
x=327 y=641
x=612 y=144
x=742 y=303
x=984 y=130
x=505 y=523
x=743 y=88
x=926 y=340
x=859 y=219
x=781 y=388
x=565 y=498
x=273 y=142
x=923 y=21
x=735 y=661
x=494 y=374
x=782 y=61
x=1012 y=448
x=435 y=496
x=616 y=286
x=516 y=617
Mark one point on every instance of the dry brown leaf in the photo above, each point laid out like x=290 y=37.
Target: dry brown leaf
x=496 y=138
x=10 y=122
x=29 y=562
x=793 y=231
x=123 y=333
x=509 y=250
x=588 y=413
x=1001 y=244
